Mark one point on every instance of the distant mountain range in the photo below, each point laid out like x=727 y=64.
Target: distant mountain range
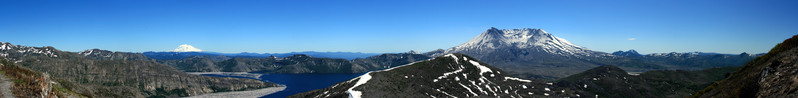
x=535 y=53
x=100 y=73
x=180 y=55
x=298 y=63
x=691 y=60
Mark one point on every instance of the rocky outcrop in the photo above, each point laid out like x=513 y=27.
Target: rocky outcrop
x=772 y=75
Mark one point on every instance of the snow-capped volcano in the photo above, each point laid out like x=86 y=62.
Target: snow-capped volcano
x=533 y=52
x=186 y=48
x=520 y=38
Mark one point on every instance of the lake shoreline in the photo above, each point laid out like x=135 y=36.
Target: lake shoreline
x=238 y=94
x=242 y=94
x=239 y=74
x=298 y=82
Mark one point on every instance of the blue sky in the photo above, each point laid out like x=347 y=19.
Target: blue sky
x=378 y=26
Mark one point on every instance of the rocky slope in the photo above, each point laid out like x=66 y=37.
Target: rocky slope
x=453 y=75
x=100 y=73
x=772 y=75
x=203 y=63
x=19 y=82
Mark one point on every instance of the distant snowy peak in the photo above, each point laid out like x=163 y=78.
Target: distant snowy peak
x=186 y=48
x=94 y=52
x=675 y=54
x=8 y=50
x=521 y=38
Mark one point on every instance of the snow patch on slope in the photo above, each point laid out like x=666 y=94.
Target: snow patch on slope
x=361 y=80
x=7 y=48
x=517 y=79
x=482 y=69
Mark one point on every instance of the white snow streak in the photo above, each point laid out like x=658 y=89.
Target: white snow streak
x=366 y=77
x=469 y=89
x=517 y=79
x=449 y=73
x=482 y=69
x=363 y=79
x=450 y=95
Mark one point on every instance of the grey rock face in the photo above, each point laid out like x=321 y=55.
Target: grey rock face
x=772 y=75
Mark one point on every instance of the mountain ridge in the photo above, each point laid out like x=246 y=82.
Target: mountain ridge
x=100 y=73
x=452 y=75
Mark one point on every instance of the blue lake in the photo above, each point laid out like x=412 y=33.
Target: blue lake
x=298 y=83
